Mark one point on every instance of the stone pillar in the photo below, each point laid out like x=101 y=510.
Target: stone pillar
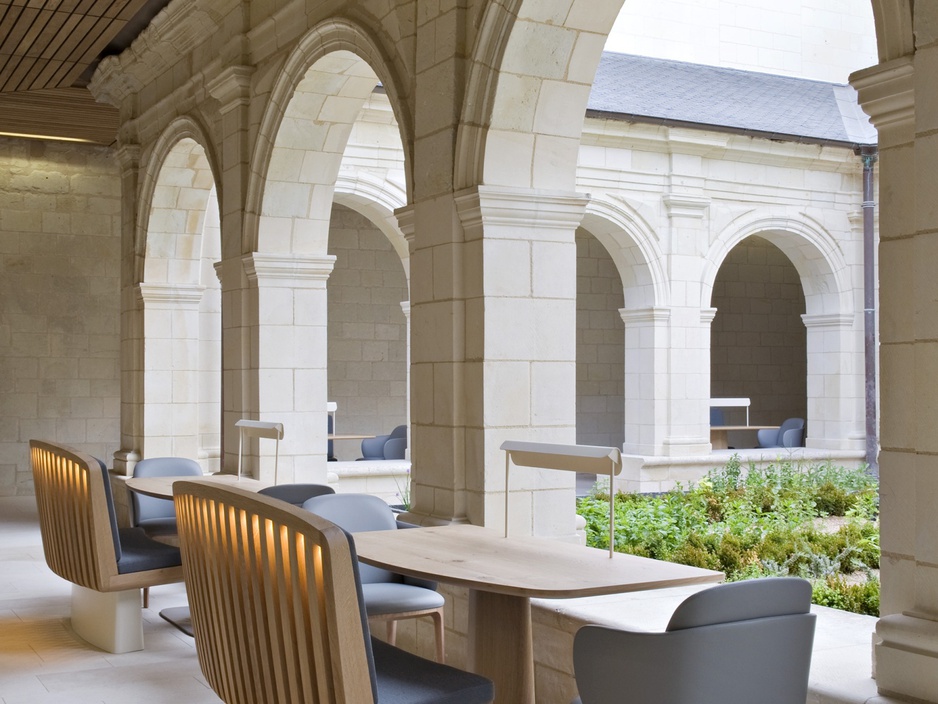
x=285 y=315
x=131 y=413
x=835 y=383
x=493 y=347
x=170 y=370
x=646 y=379
x=688 y=366
x=906 y=639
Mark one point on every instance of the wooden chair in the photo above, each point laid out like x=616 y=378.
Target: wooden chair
x=107 y=566
x=276 y=609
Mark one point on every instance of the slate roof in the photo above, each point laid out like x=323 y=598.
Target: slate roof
x=643 y=89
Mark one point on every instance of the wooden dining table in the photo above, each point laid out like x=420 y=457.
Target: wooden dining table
x=503 y=574
x=719 y=438
x=162 y=487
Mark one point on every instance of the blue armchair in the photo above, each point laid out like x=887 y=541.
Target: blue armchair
x=386 y=447
x=789 y=434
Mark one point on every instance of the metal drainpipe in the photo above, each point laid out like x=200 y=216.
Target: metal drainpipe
x=869 y=156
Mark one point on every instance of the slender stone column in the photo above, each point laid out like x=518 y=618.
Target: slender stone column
x=131 y=414
x=646 y=379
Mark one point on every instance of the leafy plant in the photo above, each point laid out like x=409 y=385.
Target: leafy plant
x=754 y=522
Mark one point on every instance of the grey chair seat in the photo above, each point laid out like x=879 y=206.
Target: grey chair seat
x=296 y=494
x=392 y=597
x=405 y=678
x=139 y=552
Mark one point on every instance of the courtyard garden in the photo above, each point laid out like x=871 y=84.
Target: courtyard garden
x=819 y=522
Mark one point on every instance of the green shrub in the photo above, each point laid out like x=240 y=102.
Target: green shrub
x=755 y=523
x=860 y=598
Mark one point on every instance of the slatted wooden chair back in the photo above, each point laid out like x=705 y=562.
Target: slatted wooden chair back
x=77 y=521
x=274 y=599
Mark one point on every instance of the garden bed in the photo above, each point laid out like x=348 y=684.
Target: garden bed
x=817 y=521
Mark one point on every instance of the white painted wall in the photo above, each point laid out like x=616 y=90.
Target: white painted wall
x=824 y=40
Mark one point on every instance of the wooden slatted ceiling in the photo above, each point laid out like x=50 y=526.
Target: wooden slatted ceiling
x=69 y=113
x=50 y=43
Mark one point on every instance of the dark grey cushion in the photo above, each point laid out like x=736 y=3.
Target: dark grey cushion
x=139 y=552
x=405 y=678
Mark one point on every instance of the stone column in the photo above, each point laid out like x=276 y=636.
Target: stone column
x=494 y=356
x=688 y=366
x=646 y=387
x=170 y=370
x=906 y=639
x=285 y=317
x=835 y=383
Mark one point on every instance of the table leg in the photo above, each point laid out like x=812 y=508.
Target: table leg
x=718 y=439
x=500 y=644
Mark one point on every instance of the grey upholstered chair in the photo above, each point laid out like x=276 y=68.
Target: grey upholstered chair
x=157 y=517
x=386 y=447
x=789 y=434
x=296 y=494
x=387 y=596
x=736 y=643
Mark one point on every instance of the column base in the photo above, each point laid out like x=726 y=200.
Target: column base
x=906 y=657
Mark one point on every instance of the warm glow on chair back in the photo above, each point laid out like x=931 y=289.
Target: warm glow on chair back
x=273 y=599
x=65 y=501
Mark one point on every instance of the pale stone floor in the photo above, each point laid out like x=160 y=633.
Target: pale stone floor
x=43 y=662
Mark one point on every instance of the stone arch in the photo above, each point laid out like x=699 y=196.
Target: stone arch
x=179 y=299
x=313 y=105
x=376 y=199
x=834 y=384
x=894 y=36
x=635 y=250
x=633 y=246
x=528 y=84
x=812 y=250
x=179 y=176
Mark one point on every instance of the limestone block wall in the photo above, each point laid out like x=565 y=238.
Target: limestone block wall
x=59 y=302
x=599 y=346
x=367 y=331
x=758 y=339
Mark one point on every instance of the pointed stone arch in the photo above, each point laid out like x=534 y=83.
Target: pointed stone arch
x=178 y=300
x=312 y=106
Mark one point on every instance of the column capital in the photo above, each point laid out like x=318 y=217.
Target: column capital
x=169 y=294
x=886 y=93
x=498 y=209
x=287 y=269
x=681 y=205
x=828 y=320
x=231 y=88
x=655 y=314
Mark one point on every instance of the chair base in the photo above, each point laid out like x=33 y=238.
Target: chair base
x=180 y=617
x=112 y=621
